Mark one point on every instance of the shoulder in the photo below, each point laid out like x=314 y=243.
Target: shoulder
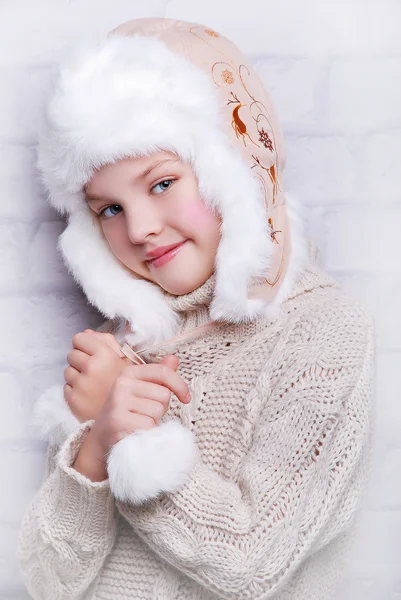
x=322 y=363
x=328 y=331
x=326 y=309
x=319 y=320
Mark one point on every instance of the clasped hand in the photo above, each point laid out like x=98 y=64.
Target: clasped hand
x=120 y=396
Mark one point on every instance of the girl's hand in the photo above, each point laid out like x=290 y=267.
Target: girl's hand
x=138 y=399
x=95 y=363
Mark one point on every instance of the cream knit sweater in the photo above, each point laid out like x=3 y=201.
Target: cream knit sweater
x=281 y=410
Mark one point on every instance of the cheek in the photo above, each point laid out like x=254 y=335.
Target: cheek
x=195 y=216
x=120 y=244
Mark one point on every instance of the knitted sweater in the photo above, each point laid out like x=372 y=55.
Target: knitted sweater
x=281 y=411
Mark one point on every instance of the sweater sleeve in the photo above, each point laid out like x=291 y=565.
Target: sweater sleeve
x=68 y=529
x=300 y=481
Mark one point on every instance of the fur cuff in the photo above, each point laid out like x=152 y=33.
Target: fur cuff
x=150 y=462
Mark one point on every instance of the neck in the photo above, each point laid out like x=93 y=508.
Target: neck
x=193 y=308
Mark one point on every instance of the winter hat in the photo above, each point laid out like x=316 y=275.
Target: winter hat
x=162 y=84
x=156 y=84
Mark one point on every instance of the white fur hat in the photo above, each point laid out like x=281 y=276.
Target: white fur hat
x=136 y=92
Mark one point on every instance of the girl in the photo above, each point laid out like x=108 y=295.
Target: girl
x=212 y=439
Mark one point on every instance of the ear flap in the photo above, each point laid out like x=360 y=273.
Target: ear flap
x=245 y=248
x=111 y=287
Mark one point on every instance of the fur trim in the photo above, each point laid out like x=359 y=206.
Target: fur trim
x=112 y=101
x=245 y=246
x=149 y=462
x=110 y=287
x=52 y=417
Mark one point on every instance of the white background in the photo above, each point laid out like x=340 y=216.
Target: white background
x=334 y=71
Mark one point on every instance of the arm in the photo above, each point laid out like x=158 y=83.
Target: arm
x=69 y=528
x=300 y=482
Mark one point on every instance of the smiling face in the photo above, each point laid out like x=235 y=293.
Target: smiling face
x=155 y=221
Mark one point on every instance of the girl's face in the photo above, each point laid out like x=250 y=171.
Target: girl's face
x=154 y=220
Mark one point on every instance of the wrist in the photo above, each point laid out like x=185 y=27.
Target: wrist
x=91 y=459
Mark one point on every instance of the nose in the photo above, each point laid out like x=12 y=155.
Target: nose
x=142 y=221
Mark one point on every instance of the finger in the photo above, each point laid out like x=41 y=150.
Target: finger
x=87 y=343
x=77 y=359
x=107 y=338
x=135 y=422
x=152 y=391
x=69 y=398
x=67 y=391
x=163 y=375
x=149 y=408
x=70 y=375
x=171 y=361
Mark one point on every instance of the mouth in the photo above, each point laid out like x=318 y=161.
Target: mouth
x=162 y=259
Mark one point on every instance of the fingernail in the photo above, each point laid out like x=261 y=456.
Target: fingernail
x=188 y=397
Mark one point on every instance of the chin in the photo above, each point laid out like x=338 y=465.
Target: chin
x=181 y=286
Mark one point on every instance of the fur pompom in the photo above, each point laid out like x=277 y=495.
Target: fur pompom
x=52 y=417
x=152 y=461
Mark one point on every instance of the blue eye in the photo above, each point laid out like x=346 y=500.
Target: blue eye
x=103 y=211
x=161 y=184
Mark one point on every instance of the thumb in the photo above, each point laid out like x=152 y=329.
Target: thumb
x=106 y=338
x=171 y=361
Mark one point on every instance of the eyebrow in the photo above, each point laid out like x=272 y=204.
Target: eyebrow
x=140 y=176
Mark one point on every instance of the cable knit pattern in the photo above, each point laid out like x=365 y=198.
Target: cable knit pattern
x=69 y=529
x=281 y=413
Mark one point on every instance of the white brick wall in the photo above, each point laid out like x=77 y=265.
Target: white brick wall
x=333 y=68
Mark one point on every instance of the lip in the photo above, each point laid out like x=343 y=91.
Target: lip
x=163 y=255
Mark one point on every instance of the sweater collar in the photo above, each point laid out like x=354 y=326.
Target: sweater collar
x=202 y=296
x=193 y=308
